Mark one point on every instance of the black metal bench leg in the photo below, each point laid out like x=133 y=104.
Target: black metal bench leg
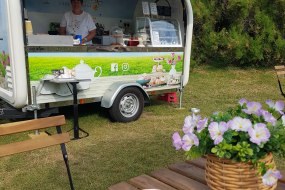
x=65 y=158
x=280 y=87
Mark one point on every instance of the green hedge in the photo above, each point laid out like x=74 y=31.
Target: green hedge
x=239 y=32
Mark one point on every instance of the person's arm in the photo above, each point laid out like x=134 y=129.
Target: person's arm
x=62 y=30
x=63 y=24
x=90 y=36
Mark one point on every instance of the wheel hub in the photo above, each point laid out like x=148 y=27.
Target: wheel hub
x=129 y=105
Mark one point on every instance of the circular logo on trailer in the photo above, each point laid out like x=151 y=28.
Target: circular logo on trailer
x=125 y=67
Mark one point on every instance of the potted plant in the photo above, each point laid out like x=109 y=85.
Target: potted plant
x=53 y=28
x=238 y=144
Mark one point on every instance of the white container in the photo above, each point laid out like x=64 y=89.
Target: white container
x=106 y=40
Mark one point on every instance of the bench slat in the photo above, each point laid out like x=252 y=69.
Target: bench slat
x=280 y=186
x=200 y=162
x=278 y=67
x=21 y=126
x=123 y=185
x=178 y=181
x=190 y=171
x=32 y=144
x=282 y=73
x=283 y=176
x=147 y=182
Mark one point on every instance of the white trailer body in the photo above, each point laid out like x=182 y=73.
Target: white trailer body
x=162 y=58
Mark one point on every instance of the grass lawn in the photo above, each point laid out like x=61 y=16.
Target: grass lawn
x=115 y=152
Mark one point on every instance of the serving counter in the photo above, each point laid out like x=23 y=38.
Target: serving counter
x=99 y=48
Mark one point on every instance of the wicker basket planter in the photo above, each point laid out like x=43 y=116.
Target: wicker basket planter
x=226 y=174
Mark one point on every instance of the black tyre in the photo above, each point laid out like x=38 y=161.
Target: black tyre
x=128 y=105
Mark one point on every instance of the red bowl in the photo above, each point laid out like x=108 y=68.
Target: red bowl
x=133 y=42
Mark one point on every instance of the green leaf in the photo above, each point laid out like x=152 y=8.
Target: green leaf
x=214 y=150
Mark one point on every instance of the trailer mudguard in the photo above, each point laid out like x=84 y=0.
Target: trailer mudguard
x=112 y=92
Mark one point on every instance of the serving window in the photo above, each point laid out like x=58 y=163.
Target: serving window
x=122 y=23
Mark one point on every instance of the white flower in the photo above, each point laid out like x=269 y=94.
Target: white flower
x=283 y=120
x=189 y=140
x=189 y=123
x=240 y=124
x=271 y=177
x=217 y=131
x=259 y=133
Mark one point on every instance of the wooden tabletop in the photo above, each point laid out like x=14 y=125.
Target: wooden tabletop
x=189 y=175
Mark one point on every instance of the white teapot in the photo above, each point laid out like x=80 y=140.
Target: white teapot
x=84 y=71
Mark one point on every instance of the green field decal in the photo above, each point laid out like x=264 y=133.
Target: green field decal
x=41 y=64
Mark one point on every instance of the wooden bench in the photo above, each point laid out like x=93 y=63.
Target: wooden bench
x=189 y=175
x=39 y=142
x=280 y=72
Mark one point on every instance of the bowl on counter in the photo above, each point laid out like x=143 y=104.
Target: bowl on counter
x=143 y=81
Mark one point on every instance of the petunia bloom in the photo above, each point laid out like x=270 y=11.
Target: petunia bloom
x=189 y=123
x=202 y=124
x=189 y=140
x=259 y=133
x=271 y=177
x=278 y=106
x=268 y=117
x=242 y=101
x=253 y=108
x=176 y=141
x=217 y=131
x=240 y=124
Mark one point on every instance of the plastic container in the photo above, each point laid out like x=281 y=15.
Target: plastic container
x=133 y=42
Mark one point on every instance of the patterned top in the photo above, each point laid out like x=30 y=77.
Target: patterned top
x=78 y=24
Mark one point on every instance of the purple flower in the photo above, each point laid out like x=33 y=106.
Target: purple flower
x=176 y=141
x=217 y=131
x=240 y=124
x=242 y=101
x=189 y=123
x=278 y=106
x=259 y=133
x=189 y=140
x=202 y=124
x=178 y=58
x=216 y=113
x=271 y=177
x=253 y=108
x=268 y=117
x=172 y=54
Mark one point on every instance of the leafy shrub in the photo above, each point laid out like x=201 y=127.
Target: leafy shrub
x=239 y=32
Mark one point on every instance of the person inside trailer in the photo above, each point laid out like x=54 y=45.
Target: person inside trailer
x=78 y=22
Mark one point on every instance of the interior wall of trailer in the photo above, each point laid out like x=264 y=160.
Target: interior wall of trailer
x=41 y=21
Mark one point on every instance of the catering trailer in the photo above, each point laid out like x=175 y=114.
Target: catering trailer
x=141 y=48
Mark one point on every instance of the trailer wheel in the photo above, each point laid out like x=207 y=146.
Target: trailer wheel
x=128 y=105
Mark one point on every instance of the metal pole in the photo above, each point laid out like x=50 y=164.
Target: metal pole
x=34 y=91
x=181 y=92
x=75 y=111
